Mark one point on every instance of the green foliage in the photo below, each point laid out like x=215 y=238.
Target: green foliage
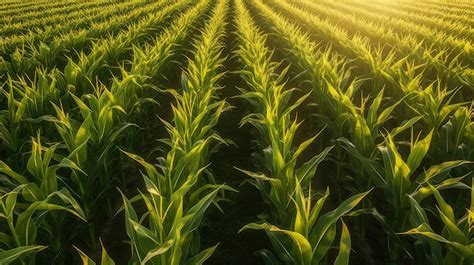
x=357 y=96
x=34 y=204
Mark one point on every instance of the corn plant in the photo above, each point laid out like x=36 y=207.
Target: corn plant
x=26 y=103
x=27 y=200
x=435 y=105
x=400 y=177
x=457 y=135
x=177 y=196
x=362 y=144
x=90 y=141
x=455 y=243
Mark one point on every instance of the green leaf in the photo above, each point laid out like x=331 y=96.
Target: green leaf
x=406 y=125
x=303 y=247
x=374 y=108
x=11 y=255
x=327 y=238
x=418 y=152
x=160 y=249
x=344 y=247
x=465 y=250
x=437 y=170
x=4 y=168
x=202 y=256
x=105 y=259
x=308 y=169
x=386 y=112
x=84 y=258
x=455 y=234
x=329 y=219
x=32 y=193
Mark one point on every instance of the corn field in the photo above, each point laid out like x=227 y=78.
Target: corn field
x=183 y=132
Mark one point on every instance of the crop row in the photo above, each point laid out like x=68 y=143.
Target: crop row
x=29 y=11
x=72 y=12
x=79 y=45
x=423 y=35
